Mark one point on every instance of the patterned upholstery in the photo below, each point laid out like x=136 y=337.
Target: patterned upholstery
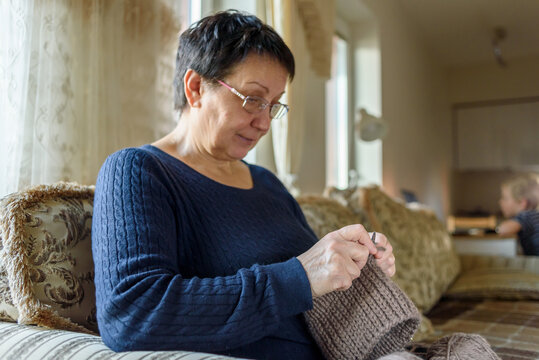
x=528 y=264
x=426 y=260
x=46 y=274
x=326 y=215
x=30 y=342
x=8 y=311
x=46 y=267
x=510 y=327
x=495 y=283
x=424 y=251
x=353 y=199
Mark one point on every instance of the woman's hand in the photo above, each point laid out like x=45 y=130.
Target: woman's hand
x=337 y=259
x=384 y=256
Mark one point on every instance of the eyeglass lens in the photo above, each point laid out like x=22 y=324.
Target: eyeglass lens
x=255 y=105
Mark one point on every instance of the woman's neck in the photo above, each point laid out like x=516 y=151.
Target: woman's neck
x=182 y=144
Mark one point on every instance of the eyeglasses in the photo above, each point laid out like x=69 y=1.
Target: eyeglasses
x=255 y=104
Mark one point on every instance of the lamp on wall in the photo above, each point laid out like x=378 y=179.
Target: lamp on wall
x=499 y=35
x=369 y=127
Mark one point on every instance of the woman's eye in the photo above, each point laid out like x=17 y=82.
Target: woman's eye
x=252 y=101
x=258 y=103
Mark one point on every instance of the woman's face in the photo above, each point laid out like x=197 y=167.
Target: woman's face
x=509 y=205
x=228 y=131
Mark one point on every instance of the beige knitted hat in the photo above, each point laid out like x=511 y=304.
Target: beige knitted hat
x=371 y=319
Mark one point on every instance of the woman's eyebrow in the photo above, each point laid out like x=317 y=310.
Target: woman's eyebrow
x=264 y=87
x=259 y=84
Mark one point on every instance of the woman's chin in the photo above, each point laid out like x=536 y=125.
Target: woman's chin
x=237 y=154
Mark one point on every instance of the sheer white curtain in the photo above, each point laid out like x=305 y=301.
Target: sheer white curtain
x=307 y=28
x=79 y=80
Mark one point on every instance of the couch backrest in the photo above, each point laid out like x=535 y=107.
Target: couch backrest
x=426 y=260
x=46 y=268
x=325 y=215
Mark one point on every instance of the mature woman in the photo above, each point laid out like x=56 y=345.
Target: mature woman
x=195 y=249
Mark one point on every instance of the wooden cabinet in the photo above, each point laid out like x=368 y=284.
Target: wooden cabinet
x=495 y=136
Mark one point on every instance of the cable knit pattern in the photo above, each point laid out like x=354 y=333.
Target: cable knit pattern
x=186 y=263
x=371 y=319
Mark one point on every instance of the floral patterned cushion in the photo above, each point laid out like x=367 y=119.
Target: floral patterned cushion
x=353 y=199
x=325 y=215
x=427 y=262
x=46 y=267
x=8 y=311
x=328 y=214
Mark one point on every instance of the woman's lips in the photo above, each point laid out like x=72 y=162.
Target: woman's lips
x=246 y=139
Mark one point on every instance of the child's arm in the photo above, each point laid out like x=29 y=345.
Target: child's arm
x=508 y=227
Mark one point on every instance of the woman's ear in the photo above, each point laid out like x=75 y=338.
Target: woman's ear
x=192 y=84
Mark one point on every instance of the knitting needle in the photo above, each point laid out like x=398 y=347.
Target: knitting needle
x=373 y=239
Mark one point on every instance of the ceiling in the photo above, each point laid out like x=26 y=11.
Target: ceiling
x=460 y=32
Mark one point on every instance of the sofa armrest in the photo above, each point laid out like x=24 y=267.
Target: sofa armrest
x=472 y=262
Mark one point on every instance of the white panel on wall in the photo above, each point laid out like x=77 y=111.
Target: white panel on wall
x=498 y=136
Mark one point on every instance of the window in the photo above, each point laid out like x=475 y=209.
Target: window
x=337 y=116
x=368 y=95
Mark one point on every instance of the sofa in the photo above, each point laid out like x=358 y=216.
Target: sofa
x=47 y=305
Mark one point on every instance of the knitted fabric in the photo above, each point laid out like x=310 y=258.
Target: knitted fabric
x=461 y=346
x=371 y=319
x=401 y=355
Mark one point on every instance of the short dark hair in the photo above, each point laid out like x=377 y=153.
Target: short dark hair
x=217 y=43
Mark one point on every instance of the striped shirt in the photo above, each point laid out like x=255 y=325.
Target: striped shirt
x=529 y=232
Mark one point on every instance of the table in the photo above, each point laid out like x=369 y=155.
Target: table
x=489 y=244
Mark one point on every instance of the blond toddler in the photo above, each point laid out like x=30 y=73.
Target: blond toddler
x=519 y=204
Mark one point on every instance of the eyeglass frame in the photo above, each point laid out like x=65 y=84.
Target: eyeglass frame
x=263 y=101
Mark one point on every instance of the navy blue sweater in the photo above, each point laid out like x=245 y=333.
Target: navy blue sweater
x=185 y=263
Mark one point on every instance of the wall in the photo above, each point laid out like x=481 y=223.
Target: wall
x=478 y=191
x=417 y=152
x=480 y=82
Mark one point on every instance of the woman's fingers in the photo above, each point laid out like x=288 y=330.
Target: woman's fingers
x=387 y=266
x=357 y=233
x=338 y=258
x=385 y=259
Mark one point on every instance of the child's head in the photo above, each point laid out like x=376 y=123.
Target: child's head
x=519 y=193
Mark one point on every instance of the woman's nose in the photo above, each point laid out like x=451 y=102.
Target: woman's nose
x=262 y=120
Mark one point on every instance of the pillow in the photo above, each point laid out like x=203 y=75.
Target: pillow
x=326 y=215
x=426 y=260
x=496 y=283
x=46 y=256
x=8 y=311
x=353 y=199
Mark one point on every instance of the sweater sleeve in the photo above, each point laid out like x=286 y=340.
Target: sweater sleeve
x=144 y=302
